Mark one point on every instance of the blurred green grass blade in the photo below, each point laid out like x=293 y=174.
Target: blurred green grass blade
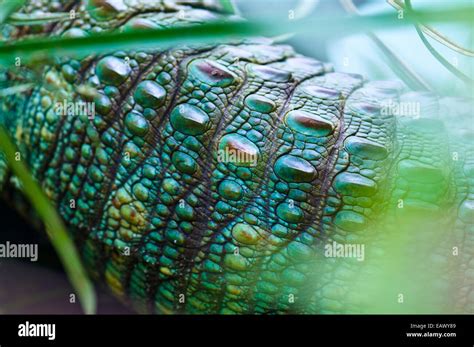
x=7 y=7
x=409 y=77
x=16 y=89
x=229 y=7
x=468 y=81
x=54 y=227
x=143 y=39
x=37 y=19
x=435 y=34
x=214 y=32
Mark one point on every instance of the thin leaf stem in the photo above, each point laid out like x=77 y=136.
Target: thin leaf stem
x=55 y=228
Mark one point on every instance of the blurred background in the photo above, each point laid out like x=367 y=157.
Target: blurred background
x=359 y=54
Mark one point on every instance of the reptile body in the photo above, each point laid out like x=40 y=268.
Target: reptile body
x=172 y=226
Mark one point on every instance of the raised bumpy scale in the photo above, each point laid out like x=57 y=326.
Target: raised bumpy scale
x=170 y=226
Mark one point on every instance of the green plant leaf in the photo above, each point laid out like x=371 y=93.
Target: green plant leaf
x=16 y=89
x=466 y=79
x=7 y=7
x=229 y=7
x=108 y=42
x=411 y=79
x=54 y=226
x=37 y=18
x=215 y=32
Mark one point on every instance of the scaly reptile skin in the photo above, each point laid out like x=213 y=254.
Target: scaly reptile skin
x=213 y=236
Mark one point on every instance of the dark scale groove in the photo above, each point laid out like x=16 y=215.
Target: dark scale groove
x=95 y=223
x=155 y=140
x=207 y=200
x=328 y=165
x=118 y=112
x=190 y=253
x=328 y=174
x=83 y=181
x=185 y=264
x=58 y=145
x=86 y=71
x=270 y=141
x=157 y=128
x=193 y=249
x=63 y=148
x=272 y=150
x=180 y=78
x=34 y=94
x=328 y=171
x=92 y=222
x=206 y=250
x=22 y=123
